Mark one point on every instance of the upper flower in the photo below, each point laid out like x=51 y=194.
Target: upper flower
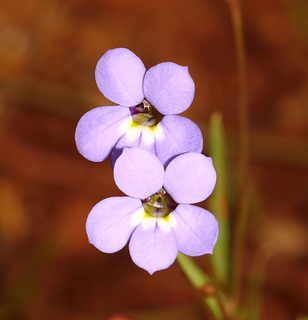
x=157 y=216
x=122 y=78
x=146 y=115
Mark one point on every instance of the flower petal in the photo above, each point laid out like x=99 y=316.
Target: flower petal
x=169 y=88
x=152 y=248
x=111 y=222
x=138 y=173
x=190 y=178
x=180 y=135
x=119 y=75
x=196 y=230
x=138 y=136
x=99 y=129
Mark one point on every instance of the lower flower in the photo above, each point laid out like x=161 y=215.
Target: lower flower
x=154 y=241
x=156 y=217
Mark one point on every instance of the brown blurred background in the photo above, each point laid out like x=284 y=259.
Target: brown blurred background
x=48 y=53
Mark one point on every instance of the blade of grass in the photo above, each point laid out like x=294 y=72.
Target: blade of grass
x=199 y=279
x=218 y=200
x=238 y=231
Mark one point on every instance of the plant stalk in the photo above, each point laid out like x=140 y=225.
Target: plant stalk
x=240 y=218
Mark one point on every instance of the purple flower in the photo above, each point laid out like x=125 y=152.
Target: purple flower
x=156 y=217
x=146 y=114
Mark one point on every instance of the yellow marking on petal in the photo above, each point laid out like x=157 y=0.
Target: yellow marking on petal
x=171 y=219
x=164 y=223
x=148 y=135
x=137 y=217
x=158 y=132
x=126 y=125
x=148 y=222
x=134 y=132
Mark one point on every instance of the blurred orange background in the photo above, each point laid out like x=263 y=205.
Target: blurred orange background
x=48 y=53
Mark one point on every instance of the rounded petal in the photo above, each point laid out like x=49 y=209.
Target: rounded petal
x=119 y=75
x=153 y=248
x=138 y=136
x=99 y=129
x=180 y=135
x=169 y=88
x=190 y=178
x=111 y=222
x=138 y=173
x=196 y=230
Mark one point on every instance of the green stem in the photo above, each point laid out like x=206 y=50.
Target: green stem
x=241 y=212
x=200 y=280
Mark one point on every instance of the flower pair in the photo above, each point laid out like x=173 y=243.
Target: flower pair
x=157 y=162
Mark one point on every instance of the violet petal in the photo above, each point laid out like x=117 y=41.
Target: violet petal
x=153 y=248
x=190 y=178
x=196 y=230
x=119 y=75
x=111 y=222
x=180 y=135
x=138 y=136
x=99 y=129
x=169 y=88
x=138 y=173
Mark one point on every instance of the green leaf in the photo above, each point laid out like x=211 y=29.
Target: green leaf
x=199 y=279
x=193 y=272
x=218 y=200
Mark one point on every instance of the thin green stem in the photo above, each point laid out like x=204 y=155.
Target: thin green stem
x=199 y=279
x=241 y=212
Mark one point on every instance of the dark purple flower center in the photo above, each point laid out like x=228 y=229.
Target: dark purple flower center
x=145 y=114
x=159 y=204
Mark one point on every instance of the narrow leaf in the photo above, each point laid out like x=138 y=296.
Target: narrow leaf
x=218 y=200
x=199 y=279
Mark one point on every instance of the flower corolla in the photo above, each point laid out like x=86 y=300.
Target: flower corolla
x=146 y=114
x=156 y=217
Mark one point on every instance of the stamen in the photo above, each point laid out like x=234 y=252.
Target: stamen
x=145 y=114
x=160 y=204
x=146 y=104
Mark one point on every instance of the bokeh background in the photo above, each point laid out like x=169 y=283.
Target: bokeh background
x=48 y=53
